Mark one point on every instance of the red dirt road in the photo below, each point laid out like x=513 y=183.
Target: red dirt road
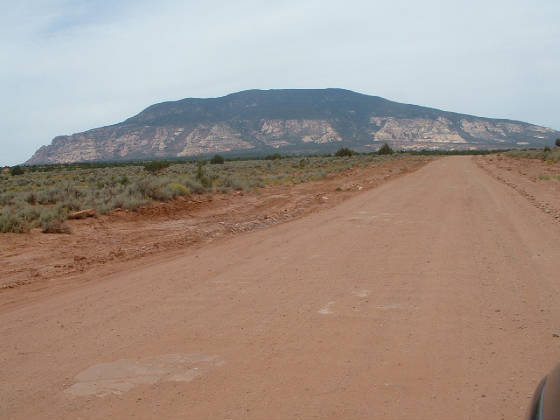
x=432 y=296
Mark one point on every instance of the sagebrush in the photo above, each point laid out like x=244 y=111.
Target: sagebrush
x=44 y=196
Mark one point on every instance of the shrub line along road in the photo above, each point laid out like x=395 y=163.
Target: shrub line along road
x=432 y=296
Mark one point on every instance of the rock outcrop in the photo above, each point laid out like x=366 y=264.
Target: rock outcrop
x=287 y=121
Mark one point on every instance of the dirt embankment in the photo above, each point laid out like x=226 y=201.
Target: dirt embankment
x=124 y=235
x=538 y=181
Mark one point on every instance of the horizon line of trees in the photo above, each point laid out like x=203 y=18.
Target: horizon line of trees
x=154 y=165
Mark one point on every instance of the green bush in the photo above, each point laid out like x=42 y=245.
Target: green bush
x=557 y=143
x=193 y=185
x=52 y=220
x=48 y=196
x=546 y=149
x=30 y=197
x=156 y=166
x=235 y=183
x=7 y=198
x=152 y=188
x=344 y=151
x=275 y=156
x=202 y=177
x=217 y=160
x=179 y=189
x=303 y=163
x=123 y=201
x=385 y=150
x=29 y=213
x=10 y=222
x=16 y=170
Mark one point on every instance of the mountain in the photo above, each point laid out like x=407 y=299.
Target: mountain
x=287 y=121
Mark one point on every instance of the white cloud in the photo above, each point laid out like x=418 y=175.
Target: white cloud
x=68 y=66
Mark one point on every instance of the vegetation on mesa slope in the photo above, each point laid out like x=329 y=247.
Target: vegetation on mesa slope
x=44 y=198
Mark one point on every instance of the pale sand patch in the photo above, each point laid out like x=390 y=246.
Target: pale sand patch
x=326 y=310
x=362 y=293
x=122 y=375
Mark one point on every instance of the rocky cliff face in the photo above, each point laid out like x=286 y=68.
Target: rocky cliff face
x=288 y=121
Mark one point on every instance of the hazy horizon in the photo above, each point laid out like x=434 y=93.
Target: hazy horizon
x=70 y=66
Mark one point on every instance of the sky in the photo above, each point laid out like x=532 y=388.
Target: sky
x=71 y=65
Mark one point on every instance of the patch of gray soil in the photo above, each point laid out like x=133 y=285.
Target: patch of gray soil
x=122 y=375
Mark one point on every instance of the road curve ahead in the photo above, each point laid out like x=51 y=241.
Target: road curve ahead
x=433 y=296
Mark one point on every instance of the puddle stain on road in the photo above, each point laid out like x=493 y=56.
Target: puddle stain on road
x=326 y=310
x=390 y=306
x=122 y=375
x=361 y=293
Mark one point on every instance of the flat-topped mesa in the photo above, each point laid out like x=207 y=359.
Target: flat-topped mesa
x=288 y=121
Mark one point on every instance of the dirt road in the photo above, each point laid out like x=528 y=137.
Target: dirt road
x=34 y=259
x=432 y=296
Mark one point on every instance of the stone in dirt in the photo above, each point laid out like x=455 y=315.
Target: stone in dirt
x=82 y=214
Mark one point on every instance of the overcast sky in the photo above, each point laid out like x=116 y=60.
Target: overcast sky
x=71 y=65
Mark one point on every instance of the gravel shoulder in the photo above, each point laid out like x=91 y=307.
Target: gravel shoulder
x=536 y=180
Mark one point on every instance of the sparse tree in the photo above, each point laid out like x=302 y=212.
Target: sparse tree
x=155 y=166
x=344 y=151
x=217 y=160
x=201 y=175
x=275 y=156
x=557 y=143
x=16 y=170
x=385 y=150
